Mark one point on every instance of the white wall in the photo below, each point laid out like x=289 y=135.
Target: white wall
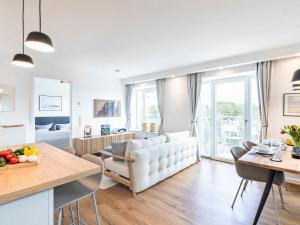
x=21 y=80
x=177 y=112
x=281 y=83
x=51 y=87
x=84 y=92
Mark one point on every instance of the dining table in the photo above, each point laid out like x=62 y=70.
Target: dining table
x=287 y=164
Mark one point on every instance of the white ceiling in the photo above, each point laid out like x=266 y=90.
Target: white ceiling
x=144 y=36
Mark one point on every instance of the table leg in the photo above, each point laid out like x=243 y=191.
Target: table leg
x=265 y=195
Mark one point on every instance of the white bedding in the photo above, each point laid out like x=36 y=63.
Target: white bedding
x=57 y=138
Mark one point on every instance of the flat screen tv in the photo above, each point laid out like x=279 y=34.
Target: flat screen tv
x=107 y=108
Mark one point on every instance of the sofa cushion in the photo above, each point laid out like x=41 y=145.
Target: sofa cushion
x=119 y=148
x=134 y=144
x=176 y=136
x=119 y=167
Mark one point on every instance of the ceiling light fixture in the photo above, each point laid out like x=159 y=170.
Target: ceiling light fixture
x=21 y=59
x=37 y=40
x=296 y=77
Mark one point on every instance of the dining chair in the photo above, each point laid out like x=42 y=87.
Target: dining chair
x=249 y=172
x=248 y=145
x=66 y=194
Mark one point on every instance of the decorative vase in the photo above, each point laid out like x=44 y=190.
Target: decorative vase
x=296 y=149
x=153 y=127
x=296 y=142
x=145 y=127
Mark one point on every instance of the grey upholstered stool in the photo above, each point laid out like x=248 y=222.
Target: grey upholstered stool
x=72 y=192
x=248 y=172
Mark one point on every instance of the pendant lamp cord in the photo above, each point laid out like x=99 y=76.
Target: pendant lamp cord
x=23 y=26
x=40 y=14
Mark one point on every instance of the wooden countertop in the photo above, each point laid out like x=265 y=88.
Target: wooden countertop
x=288 y=163
x=56 y=167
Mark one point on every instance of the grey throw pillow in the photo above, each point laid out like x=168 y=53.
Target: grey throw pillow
x=119 y=148
x=107 y=149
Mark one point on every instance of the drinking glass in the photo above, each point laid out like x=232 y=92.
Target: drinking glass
x=277 y=157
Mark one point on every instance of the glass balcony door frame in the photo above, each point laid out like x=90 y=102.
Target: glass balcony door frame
x=247 y=110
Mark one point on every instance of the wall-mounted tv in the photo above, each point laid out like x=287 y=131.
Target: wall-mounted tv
x=107 y=108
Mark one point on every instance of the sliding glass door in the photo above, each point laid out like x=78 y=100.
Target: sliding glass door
x=230 y=127
x=228 y=115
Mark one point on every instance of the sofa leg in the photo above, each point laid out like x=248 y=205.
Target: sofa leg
x=131 y=179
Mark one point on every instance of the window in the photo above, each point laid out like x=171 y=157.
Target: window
x=228 y=114
x=144 y=105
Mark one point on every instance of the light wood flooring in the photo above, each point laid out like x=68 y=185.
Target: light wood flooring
x=201 y=194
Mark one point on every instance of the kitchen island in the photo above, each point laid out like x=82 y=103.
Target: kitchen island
x=26 y=194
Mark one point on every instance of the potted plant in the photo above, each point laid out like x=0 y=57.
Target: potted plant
x=294 y=132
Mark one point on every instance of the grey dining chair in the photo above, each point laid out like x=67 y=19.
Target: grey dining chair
x=72 y=192
x=248 y=145
x=248 y=172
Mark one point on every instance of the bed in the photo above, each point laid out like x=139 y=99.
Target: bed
x=55 y=131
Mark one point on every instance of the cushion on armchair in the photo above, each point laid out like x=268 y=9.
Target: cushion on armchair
x=118 y=148
x=107 y=149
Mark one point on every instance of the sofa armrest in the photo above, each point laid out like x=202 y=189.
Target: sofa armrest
x=116 y=156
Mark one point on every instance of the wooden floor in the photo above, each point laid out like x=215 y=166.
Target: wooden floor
x=201 y=194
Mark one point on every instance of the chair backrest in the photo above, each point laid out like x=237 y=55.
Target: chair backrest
x=237 y=152
x=249 y=172
x=70 y=150
x=94 y=181
x=248 y=145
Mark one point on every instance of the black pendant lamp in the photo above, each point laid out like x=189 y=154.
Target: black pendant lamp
x=296 y=87
x=37 y=40
x=296 y=77
x=22 y=59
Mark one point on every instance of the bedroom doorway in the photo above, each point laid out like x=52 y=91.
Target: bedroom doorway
x=52 y=112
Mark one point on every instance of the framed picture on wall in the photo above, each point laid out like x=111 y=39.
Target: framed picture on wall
x=50 y=103
x=291 y=104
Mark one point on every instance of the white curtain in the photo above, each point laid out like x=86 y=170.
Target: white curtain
x=194 y=90
x=128 y=105
x=263 y=75
x=160 y=88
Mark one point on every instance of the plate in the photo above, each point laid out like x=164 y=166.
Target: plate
x=265 y=153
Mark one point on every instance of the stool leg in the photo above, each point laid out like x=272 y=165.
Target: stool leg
x=59 y=216
x=71 y=214
x=78 y=212
x=96 y=208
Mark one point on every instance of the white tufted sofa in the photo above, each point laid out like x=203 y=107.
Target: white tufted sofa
x=154 y=164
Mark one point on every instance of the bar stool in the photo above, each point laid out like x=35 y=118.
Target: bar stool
x=66 y=194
